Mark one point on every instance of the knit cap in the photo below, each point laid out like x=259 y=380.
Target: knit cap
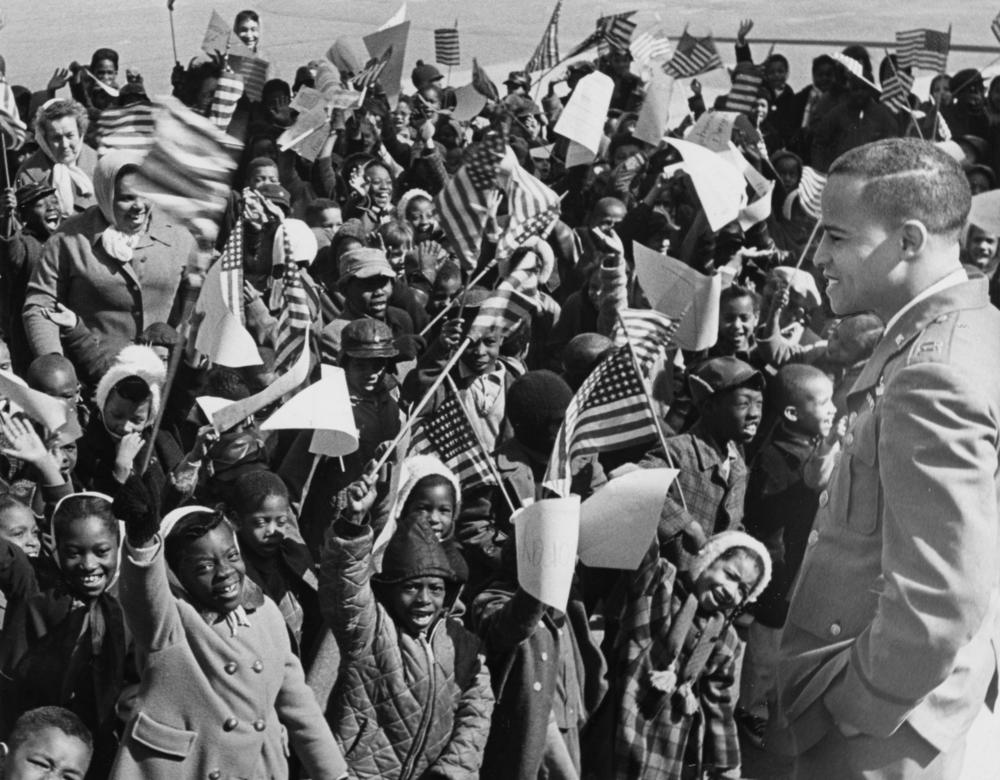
x=414 y=551
x=535 y=400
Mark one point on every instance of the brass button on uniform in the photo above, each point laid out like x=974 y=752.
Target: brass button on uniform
x=849 y=439
x=215 y=774
x=835 y=629
x=537 y=686
x=813 y=537
x=259 y=725
x=231 y=667
x=545 y=656
x=824 y=498
x=258 y=666
x=230 y=724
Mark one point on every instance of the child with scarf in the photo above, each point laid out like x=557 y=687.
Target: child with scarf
x=673 y=664
x=413 y=698
x=220 y=685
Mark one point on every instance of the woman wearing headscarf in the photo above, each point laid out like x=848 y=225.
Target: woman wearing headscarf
x=63 y=160
x=118 y=266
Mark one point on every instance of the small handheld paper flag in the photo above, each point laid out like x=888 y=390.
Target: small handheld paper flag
x=692 y=57
x=533 y=209
x=237 y=411
x=546 y=536
x=619 y=521
x=747 y=82
x=615 y=32
x=511 y=303
x=253 y=70
x=446 y=47
x=923 y=48
x=546 y=54
x=482 y=82
x=377 y=43
x=227 y=95
x=896 y=91
x=447 y=433
x=324 y=406
x=650 y=333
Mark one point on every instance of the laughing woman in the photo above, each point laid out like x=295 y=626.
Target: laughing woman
x=118 y=265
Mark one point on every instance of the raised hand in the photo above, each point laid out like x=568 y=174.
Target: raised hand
x=60 y=78
x=19 y=440
x=746 y=26
x=360 y=499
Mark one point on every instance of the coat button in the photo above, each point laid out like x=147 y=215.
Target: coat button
x=824 y=498
x=258 y=666
x=813 y=537
x=537 y=686
x=545 y=656
x=215 y=774
x=231 y=667
x=835 y=629
x=849 y=439
x=259 y=725
x=230 y=724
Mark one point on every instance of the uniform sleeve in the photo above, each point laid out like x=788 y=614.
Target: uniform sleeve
x=48 y=284
x=939 y=546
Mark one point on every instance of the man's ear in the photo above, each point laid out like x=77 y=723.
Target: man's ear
x=790 y=413
x=913 y=237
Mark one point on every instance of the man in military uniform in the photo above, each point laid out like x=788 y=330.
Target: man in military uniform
x=889 y=649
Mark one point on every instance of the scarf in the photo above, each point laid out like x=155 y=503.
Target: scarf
x=117 y=243
x=69 y=179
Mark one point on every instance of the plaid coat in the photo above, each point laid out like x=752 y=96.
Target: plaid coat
x=654 y=737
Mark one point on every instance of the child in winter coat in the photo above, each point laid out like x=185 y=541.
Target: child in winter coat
x=673 y=664
x=413 y=697
x=220 y=685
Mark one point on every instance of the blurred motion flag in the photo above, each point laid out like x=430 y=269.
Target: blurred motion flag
x=533 y=210
x=509 y=305
x=254 y=72
x=809 y=192
x=615 y=32
x=14 y=131
x=546 y=54
x=923 y=48
x=129 y=128
x=650 y=333
x=692 y=57
x=446 y=46
x=649 y=47
x=372 y=71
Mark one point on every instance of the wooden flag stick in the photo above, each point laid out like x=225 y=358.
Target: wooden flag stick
x=412 y=418
x=175 y=362
x=3 y=153
x=895 y=73
x=490 y=464
x=805 y=249
x=649 y=402
x=173 y=35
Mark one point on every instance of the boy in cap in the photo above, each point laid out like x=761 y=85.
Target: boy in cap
x=366 y=282
x=517 y=83
x=728 y=394
x=967 y=113
x=35 y=208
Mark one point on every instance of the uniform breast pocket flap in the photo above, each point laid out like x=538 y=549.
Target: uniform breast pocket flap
x=864 y=491
x=162 y=738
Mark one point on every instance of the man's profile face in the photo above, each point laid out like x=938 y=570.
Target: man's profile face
x=857 y=254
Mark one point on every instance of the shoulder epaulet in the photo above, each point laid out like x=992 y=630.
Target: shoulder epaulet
x=933 y=343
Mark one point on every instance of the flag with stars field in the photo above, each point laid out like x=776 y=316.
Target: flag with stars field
x=447 y=433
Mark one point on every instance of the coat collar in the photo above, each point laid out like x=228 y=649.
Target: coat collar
x=158 y=231
x=972 y=294
x=708 y=456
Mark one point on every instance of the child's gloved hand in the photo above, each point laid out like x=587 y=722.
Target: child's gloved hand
x=139 y=508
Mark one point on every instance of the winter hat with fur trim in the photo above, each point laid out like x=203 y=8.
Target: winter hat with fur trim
x=546 y=258
x=718 y=544
x=138 y=361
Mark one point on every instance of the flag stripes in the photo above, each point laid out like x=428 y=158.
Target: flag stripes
x=511 y=303
x=746 y=86
x=896 y=91
x=227 y=94
x=373 y=71
x=615 y=31
x=14 y=131
x=692 y=57
x=446 y=47
x=923 y=48
x=810 y=191
x=254 y=73
x=231 y=267
x=533 y=209
x=650 y=333
x=447 y=433
x=189 y=167
x=129 y=128
x=461 y=205
x=608 y=412
x=546 y=54
x=293 y=321
x=649 y=47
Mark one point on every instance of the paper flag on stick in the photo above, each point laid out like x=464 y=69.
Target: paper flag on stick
x=618 y=522
x=582 y=120
x=377 y=43
x=49 y=411
x=238 y=411
x=323 y=406
x=680 y=292
x=547 y=532
x=719 y=185
x=469 y=103
x=221 y=337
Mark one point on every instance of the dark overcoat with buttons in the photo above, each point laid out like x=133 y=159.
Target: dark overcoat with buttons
x=894 y=617
x=211 y=705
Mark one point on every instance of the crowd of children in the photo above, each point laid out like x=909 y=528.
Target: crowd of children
x=184 y=601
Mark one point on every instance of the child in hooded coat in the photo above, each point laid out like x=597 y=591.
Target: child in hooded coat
x=413 y=696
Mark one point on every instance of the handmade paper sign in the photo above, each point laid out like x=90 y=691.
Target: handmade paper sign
x=719 y=185
x=546 y=533
x=323 y=406
x=655 y=112
x=618 y=522
x=680 y=292
x=713 y=130
x=306 y=99
x=582 y=120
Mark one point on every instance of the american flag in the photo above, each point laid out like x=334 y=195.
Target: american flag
x=447 y=433
x=995 y=26
x=810 y=191
x=546 y=54
x=649 y=332
x=14 y=131
x=188 y=170
x=609 y=412
x=373 y=71
x=742 y=96
x=896 y=91
x=446 y=46
x=227 y=94
x=130 y=128
x=533 y=209
x=293 y=321
x=254 y=72
x=649 y=47
x=511 y=303
x=615 y=31
x=461 y=205
x=231 y=267
x=923 y=49
x=693 y=56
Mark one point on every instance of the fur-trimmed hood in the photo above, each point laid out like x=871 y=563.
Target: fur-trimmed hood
x=134 y=360
x=727 y=540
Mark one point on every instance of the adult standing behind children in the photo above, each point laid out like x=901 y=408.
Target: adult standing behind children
x=887 y=653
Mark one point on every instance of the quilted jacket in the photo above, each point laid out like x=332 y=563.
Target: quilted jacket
x=403 y=707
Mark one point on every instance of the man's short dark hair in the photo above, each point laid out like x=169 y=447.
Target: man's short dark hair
x=905 y=178
x=40 y=718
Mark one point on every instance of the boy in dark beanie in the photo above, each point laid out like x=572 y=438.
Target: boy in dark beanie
x=413 y=695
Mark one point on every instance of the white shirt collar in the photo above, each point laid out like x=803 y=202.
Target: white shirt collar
x=955 y=277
